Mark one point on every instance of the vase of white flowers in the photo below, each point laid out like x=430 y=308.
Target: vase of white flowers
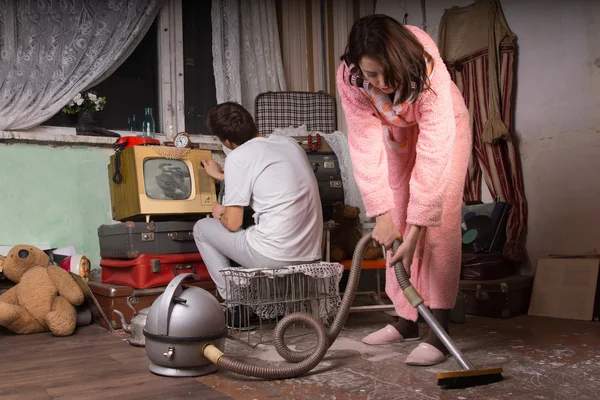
x=86 y=105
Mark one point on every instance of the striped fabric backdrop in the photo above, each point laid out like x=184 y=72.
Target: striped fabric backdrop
x=498 y=162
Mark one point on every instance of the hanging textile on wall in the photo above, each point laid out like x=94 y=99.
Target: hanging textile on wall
x=479 y=50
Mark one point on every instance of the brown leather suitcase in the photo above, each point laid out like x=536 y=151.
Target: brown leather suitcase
x=116 y=297
x=499 y=298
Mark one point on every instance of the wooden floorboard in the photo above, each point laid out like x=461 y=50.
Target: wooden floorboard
x=92 y=364
x=542 y=358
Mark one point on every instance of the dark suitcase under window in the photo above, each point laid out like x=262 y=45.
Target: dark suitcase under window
x=130 y=239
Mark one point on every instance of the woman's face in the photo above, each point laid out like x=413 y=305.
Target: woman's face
x=373 y=72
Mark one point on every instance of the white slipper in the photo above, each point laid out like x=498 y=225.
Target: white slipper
x=386 y=335
x=425 y=355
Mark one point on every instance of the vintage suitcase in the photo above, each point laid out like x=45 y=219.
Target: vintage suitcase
x=130 y=239
x=315 y=110
x=327 y=171
x=117 y=297
x=500 y=298
x=151 y=270
x=485 y=266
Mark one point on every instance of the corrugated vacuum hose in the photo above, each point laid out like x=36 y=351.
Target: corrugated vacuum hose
x=304 y=360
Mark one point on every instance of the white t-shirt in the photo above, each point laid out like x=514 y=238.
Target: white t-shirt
x=273 y=176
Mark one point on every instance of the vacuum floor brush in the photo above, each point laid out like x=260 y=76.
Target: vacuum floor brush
x=469 y=376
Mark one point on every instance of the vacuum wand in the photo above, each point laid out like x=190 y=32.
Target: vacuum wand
x=450 y=345
x=470 y=376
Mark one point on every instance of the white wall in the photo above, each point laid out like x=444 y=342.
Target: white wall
x=557 y=119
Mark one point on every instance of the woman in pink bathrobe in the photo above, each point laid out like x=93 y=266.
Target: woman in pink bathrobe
x=410 y=141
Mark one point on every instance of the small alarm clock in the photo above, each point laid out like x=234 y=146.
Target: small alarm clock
x=182 y=140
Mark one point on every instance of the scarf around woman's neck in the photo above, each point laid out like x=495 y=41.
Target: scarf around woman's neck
x=391 y=112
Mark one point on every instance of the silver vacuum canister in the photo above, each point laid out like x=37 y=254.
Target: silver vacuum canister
x=179 y=323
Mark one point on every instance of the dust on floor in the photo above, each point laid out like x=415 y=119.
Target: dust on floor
x=542 y=358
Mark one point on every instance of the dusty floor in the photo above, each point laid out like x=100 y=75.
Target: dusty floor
x=542 y=359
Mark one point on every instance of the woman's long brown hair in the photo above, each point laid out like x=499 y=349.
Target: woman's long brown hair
x=399 y=52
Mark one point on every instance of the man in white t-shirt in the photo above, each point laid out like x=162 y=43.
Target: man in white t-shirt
x=272 y=175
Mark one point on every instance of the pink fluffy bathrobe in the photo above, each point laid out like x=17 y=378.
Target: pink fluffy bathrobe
x=415 y=164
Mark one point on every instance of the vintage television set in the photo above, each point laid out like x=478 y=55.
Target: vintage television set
x=158 y=182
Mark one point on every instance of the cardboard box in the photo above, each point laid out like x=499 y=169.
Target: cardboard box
x=566 y=286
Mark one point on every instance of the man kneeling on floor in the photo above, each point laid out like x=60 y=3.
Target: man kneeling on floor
x=272 y=175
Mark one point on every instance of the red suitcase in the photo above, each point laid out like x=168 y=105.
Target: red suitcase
x=152 y=270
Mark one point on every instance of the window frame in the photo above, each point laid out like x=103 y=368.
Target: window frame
x=170 y=69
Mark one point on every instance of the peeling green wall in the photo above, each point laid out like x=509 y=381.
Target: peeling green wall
x=54 y=195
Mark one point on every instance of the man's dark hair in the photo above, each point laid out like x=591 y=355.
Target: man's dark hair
x=230 y=121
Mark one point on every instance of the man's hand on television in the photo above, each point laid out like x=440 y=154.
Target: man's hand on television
x=213 y=169
x=218 y=211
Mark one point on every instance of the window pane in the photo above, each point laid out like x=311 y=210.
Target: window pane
x=130 y=89
x=199 y=80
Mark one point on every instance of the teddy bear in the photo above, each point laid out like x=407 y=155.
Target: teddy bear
x=44 y=297
x=346 y=235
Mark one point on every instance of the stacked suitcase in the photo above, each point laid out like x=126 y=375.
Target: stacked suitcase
x=490 y=286
x=139 y=259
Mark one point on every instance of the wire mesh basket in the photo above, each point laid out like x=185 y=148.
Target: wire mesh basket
x=256 y=299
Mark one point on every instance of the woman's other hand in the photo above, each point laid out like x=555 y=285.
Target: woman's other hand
x=385 y=232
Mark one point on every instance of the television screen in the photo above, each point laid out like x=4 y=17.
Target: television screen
x=166 y=179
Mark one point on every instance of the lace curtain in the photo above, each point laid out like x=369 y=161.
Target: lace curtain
x=246 y=51
x=51 y=50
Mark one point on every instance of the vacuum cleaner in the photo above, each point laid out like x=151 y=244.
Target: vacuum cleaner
x=185 y=333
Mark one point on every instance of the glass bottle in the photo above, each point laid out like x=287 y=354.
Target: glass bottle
x=148 y=125
x=134 y=124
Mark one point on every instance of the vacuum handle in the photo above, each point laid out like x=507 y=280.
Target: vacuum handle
x=173 y=290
